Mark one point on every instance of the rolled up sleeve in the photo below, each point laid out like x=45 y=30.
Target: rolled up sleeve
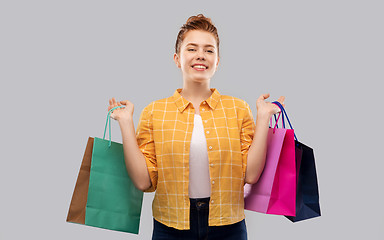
x=246 y=136
x=145 y=141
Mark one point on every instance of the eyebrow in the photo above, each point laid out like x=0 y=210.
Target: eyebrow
x=194 y=44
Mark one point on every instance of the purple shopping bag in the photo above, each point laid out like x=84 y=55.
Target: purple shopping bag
x=275 y=191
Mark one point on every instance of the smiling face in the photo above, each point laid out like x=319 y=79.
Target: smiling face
x=198 y=57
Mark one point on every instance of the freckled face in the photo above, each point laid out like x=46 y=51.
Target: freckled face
x=197 y=59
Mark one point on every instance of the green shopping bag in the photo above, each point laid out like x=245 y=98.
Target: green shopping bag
x=109 y=200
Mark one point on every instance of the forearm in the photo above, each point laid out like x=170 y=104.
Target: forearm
x=257 y=151
x=134 y=158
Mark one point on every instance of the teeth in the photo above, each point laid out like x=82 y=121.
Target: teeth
x=199 y=66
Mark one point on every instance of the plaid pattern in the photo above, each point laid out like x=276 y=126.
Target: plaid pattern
x=164 y=136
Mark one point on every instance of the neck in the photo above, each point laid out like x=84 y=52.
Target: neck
x=196 y=92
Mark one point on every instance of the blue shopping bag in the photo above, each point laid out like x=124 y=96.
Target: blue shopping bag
x=307 y=188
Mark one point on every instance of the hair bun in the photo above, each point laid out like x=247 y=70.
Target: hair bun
x=198 y=22
x=199 y=17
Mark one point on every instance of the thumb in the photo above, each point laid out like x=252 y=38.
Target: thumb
x=266 y=95
x=263 y=96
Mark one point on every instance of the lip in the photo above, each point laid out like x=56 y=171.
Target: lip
x=199 y=64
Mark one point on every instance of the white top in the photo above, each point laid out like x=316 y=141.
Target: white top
x=199 y=179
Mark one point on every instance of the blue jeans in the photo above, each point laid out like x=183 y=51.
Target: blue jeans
x=199 y=228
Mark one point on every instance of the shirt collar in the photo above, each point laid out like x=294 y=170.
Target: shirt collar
x=182 y=103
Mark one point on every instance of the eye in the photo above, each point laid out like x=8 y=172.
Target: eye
x=191 y=49
x=210 y=51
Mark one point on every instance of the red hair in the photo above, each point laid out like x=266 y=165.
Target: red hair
x=199 y=22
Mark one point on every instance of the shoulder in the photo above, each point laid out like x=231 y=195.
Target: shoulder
x=241 y=107
x=159 y=104
x=231 y=101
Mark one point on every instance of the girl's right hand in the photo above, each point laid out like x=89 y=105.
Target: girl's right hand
x=121 y=113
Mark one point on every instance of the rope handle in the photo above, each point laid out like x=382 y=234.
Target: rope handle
x=276 y=120
x=109 y=123
x=286 y=115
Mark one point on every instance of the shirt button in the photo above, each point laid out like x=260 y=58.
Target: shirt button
x=204 y=102
x=212 y=201
x=205 y=121
x=211 y=164
x=210 y=147
x=207 y=132
x=213 y=182
x=202 y=109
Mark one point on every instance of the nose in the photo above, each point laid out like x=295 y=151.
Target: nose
x=200 y=54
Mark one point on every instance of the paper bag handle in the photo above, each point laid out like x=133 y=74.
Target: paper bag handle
x=109 y=123
x=286 y=115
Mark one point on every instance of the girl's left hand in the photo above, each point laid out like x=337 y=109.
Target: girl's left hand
x=267 y=109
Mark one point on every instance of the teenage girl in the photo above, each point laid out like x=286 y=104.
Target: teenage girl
x=196 y=148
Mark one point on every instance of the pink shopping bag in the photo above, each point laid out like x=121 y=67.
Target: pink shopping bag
x=275 y=191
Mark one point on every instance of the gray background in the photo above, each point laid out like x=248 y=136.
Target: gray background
x=62 y=60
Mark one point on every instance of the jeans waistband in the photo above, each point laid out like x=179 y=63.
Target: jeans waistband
x=198 y=203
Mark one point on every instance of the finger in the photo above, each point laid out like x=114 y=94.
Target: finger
x=263 y=97
x=110 y=104
x=119 y=104
x=281 y=99
x=124 y=102
x=114 y=103
x=277 y=109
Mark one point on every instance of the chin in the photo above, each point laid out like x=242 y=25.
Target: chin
x=200 y=79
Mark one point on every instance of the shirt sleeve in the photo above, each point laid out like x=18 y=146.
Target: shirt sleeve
x=145 y=141
x=246 y=136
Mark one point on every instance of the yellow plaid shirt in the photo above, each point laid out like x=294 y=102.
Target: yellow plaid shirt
x=164 y=136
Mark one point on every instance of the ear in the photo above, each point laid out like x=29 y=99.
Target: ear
x=177 y=60
x=218 y=60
